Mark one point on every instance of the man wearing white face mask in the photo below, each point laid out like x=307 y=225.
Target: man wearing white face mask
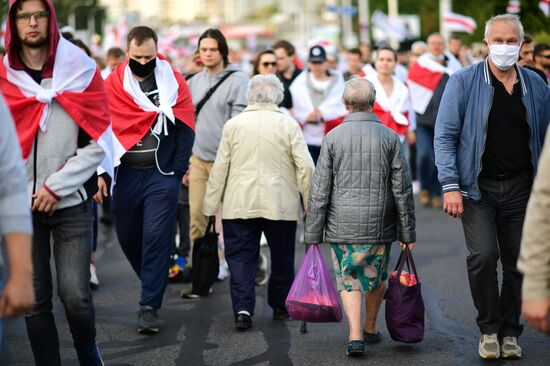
x=488 y=137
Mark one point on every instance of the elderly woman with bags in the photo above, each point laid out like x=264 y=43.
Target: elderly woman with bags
x=261 y=169
x=361 y=201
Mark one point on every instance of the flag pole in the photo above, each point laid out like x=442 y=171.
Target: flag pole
x=393 y=12
x=444 y=7
x=364 y=21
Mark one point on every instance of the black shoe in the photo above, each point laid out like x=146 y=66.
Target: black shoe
x=243 y=322
x=149 y=322
x=280 y=314
x=356 y=349
x=372 y=337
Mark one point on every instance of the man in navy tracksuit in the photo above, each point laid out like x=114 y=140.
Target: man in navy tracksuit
x=153 y=119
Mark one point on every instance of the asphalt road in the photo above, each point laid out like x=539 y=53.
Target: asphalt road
x=201 y=332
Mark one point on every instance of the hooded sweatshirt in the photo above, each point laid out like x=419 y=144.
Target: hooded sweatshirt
x=227 y=101
x=63 y=158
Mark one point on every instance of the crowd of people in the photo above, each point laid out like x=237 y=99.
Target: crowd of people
x=166 y=152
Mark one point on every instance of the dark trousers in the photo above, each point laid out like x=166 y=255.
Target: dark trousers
x=71 y=229
x=314 y=151
x=492 y=227
x=144 y=208
x=183 y=219
x=242 y=250
x=425 y=160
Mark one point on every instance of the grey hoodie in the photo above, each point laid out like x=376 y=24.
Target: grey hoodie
x=227 y=101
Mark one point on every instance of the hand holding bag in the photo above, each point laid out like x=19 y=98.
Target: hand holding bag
x=312 y=297
x=404 y=304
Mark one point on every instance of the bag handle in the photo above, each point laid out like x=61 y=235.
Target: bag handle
x=211 y=225
x=211 y=92
x=406 y=257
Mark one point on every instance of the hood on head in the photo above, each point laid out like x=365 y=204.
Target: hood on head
x=13 y=44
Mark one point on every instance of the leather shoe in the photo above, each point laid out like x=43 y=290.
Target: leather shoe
x=243 y=322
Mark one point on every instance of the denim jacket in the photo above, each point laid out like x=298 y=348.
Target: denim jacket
x=461 y=125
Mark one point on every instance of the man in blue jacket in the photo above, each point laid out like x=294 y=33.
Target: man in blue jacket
x=488 y=137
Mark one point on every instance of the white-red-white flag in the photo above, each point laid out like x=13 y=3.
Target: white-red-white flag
x=544 y=5
x=424 y=76
x=514 y=7
x=454 y=22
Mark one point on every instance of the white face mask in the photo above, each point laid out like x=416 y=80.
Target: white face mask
x=504 y=56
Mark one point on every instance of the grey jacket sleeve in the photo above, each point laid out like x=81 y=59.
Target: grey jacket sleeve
x=240 y=100
x=15 y=214
x=319 y=195
x=76 y=171
x=403 y=195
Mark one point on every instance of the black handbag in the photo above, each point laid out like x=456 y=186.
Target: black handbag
x=206 y=263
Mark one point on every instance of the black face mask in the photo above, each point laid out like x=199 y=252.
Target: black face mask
x=142 y=70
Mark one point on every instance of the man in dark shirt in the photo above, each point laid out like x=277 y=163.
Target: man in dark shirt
x=153 y=119
x=488 y=137
x=287 y=69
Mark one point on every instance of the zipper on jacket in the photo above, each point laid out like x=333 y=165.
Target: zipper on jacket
x=484 y=142
x=34 y=168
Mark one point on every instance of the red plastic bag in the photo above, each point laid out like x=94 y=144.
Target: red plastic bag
x=312 y=297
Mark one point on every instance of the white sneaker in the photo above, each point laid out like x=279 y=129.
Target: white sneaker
x=488 y=346
x=223 y=271
x=94 y=282
x=510 y=348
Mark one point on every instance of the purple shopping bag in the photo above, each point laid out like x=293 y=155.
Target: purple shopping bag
x=404 y=304
x=312 y=297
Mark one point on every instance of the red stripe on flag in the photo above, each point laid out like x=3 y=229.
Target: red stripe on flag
x=424 y=77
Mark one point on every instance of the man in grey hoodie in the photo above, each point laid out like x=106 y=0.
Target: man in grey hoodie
x=228 y=100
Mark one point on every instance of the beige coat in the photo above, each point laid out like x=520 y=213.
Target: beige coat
x=534 y=259
x=261 y=168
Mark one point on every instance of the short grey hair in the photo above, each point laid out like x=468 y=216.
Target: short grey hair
x=359 y=95
x=510 y=18
x=265 y=89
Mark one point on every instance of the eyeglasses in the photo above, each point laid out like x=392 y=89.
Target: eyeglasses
x=39 y=16
x=266 y=64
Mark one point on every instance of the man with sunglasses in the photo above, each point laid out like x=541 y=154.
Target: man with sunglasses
x=59 y=106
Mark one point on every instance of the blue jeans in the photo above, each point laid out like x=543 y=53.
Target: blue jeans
x=2 y=345
x=144 y=209
x=71 y=229
x=425 y=161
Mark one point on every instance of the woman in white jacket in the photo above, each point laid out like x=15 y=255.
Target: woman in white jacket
x=261 y=168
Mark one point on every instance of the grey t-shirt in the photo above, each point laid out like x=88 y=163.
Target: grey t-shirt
x=142 y=154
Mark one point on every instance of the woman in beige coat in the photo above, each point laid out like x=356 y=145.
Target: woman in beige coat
x=261 y=169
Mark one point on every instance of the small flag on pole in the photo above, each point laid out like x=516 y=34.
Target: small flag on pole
x=514 y=7
x=459 y=23
x=544 y=5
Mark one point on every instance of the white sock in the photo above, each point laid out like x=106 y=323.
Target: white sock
x=243 y=312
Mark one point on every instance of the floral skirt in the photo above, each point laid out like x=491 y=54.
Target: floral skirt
x=360 y=266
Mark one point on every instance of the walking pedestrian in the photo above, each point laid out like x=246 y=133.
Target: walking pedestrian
x=261 y=169
x=56 y=96
x=17 y=296
x=153 y=122
x=317 y=100
x=488 y=137
x=228 y=98
x=427 y=79
x=361 y=170
x=534 y=255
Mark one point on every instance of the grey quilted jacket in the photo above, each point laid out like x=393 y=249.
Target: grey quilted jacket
x=361 y=190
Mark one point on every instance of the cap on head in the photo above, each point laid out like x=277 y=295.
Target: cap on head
x=317 y=54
